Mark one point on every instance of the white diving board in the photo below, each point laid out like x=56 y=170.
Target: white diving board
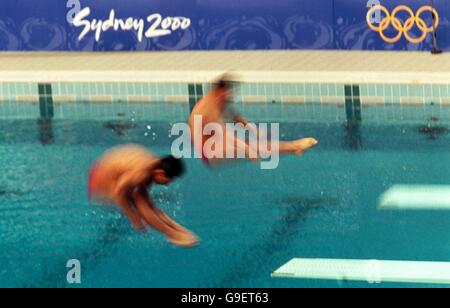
x=372 y=271
x=416 y=197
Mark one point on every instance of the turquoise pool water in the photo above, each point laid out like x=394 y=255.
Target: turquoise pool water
x=250 y=221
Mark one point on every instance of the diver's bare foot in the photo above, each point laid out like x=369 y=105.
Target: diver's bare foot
x=300 y=146
x=184 y=240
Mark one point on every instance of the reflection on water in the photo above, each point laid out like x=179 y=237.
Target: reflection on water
x=119 y=127
x=45 y=128
x=432 y=129
x=353 y=135
x=5 y=192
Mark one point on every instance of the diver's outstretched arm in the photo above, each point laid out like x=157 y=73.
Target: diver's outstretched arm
x=150 y=214
x=131 y=214
x=143 y=197
x=237 y=118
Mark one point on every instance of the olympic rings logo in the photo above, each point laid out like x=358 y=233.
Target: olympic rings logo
x=403 y=29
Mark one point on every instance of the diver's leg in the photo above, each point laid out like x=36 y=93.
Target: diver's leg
x=297 y=147
x=237 y=147
x=256 y=148
x=254 y=152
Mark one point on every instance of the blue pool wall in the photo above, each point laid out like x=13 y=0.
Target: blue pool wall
x=265 y=93
x=30 y=25
x=333 y=102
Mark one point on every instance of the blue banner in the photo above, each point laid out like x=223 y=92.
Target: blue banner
x=118 y=25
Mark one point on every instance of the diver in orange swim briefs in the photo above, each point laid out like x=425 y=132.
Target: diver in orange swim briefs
x=124 y=174
x=214 y=109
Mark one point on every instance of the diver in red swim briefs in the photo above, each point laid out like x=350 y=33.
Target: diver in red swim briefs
x=214 y=109
x=123 y=176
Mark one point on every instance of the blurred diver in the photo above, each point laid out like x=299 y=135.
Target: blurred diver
x=123 y=176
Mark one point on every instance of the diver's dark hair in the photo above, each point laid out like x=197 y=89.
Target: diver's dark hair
x=172 y=166
x=224 y=82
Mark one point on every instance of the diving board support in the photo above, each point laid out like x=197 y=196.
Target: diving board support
x=416 y=197
x=372 y=271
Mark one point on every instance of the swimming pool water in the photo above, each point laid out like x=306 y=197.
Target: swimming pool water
x=250 y=221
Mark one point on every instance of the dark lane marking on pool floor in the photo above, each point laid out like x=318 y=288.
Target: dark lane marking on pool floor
x=90 y=257
x=265 y=255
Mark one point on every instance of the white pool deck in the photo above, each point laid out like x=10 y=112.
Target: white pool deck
x=248 y=66
x=371 y=271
